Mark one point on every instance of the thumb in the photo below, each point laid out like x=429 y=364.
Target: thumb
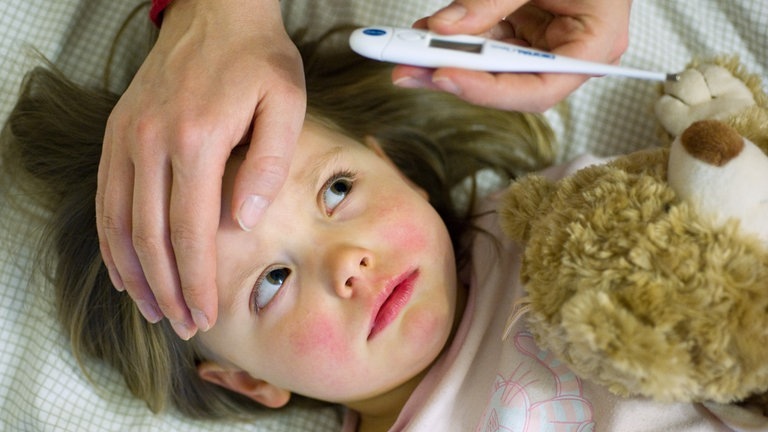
x=471 y=16
x=266 y=164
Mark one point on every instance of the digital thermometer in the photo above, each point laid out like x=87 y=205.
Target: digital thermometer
x=426 y=49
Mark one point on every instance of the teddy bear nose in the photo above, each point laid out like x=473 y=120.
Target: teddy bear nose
x=712 y=141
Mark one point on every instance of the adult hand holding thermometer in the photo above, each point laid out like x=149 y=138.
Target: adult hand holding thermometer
x=422 y=48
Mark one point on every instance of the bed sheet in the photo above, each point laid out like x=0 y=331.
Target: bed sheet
x=41 y=386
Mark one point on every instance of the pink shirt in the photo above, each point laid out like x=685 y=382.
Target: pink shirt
x=486 y=383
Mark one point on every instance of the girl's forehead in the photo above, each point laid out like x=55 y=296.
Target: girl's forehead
x=319 y=145
x=320 y=130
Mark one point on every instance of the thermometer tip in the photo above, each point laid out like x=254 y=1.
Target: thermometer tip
x=673 y=77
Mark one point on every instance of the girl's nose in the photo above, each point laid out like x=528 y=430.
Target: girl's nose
x=350 y=267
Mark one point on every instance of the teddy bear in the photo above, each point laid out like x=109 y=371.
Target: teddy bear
x=649 y=274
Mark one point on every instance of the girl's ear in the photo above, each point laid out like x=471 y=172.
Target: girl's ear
x=241 y=382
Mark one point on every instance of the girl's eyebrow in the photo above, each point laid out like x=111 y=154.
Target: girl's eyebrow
x=318 y=166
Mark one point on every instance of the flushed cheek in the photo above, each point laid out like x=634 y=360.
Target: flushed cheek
x=404 y=235
x=323 y=359
x=319 y=337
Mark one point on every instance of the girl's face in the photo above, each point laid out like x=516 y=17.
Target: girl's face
x=344 y=291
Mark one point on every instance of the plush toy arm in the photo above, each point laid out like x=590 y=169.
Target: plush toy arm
x=704 y=92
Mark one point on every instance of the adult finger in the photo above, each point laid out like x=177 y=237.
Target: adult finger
x=471 y=16
x=510 y=91
x=276 y=129
x=193 y=218
x=589 y=30
x=101 y=184
x=114 y=225
x=153 y=229
x=520 y=92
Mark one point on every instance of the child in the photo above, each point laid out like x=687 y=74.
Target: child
x=365 y=285
x=175 y=98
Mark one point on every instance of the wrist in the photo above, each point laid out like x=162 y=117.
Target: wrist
x=222 y=13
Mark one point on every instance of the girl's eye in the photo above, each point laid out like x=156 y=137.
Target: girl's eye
x=336 y=189
x=268 y=286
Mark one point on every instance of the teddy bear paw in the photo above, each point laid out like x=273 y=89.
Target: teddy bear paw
x=706 y=92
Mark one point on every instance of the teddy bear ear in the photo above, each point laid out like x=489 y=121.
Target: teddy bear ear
x=521 y=204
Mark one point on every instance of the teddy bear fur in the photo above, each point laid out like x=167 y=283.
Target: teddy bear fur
x=632 y=288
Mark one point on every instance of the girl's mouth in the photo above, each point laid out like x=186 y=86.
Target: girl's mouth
x=391 y=301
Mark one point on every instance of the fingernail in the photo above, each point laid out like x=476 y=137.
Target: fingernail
x=451 y=13
x=408 y=82
x=447 y=85
x=182 y=329
x=150 y=312
x=250 y=212
x=114 y=276
x=201 y=321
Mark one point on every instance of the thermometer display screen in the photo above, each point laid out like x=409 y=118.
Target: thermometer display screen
x=456 y=46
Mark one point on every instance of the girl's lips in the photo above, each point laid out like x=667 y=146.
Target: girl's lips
x=391 y=301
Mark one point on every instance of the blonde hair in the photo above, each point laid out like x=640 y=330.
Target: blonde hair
x=53 y=140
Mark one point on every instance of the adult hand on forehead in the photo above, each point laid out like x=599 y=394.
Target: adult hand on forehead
x=221 y=73
x=595 y=30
